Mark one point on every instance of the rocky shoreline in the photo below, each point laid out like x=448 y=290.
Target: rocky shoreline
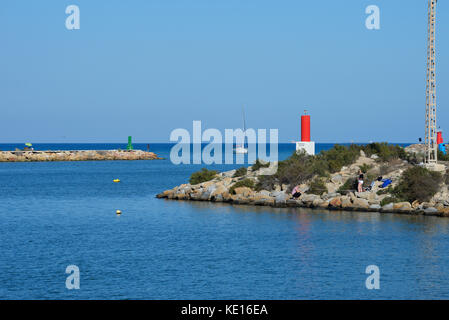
x=219 y=189
x=75 y=155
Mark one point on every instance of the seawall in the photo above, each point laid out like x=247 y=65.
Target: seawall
x=75 y=155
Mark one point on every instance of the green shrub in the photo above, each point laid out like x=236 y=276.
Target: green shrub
x=240 y=172
x=385 y=151
x=365 y=167
x=442 y=156
x=418 y=183
x=388 y=200
x=317 y=186
x=348 y=186
x=202 y=176
x=243 y=183
x=446 y=177
x=257 y=165
x=387 y=190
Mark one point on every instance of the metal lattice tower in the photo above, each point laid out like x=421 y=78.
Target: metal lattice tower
x=431 y=105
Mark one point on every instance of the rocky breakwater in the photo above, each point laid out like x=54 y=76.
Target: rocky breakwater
x=75 y=155
x=246 y=189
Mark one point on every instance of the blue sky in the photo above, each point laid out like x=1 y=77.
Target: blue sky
x=144 y=68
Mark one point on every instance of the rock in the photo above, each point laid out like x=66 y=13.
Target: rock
x=331 y=195
x=227 y=182
x=361 y=203
x=388 y=207
x=366 y=195
x=362 y=153
x=324 y=204
x=229 y=174
x=375 y=207
x=318 y=202
x=430 y=211
x=219 y=190
x=243 y=191
x=402 y=206
x=265 y=193
x=262 y=196
x=415 y=204
x=309 y=198
x=346 y=202
x=426 y=205
x=444 y=212
x=281 y=198
x=335 y=202
x=337 y=178
x=374 y=157
x=226 y=196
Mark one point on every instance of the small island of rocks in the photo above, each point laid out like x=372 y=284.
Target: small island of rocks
x=329 y=181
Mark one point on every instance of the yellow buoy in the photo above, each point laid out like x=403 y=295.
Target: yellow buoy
x=118 y=212
x=116 y=180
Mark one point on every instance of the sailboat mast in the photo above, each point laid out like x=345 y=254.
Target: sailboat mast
x=244 y=122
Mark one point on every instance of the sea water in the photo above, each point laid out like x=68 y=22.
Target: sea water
x=56 y=214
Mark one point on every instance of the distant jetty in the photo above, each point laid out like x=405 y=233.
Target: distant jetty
x=75 y=155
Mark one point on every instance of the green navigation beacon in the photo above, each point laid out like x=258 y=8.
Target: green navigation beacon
x=130 y=145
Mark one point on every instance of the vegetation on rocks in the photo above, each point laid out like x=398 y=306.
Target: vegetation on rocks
x=388 y=200
x=329 y=181
x=258 y=165
x=299 y=167
x=202 y=176
x=240 y=172
x=385 y=151
x=317 y=187
x=348 y=186
x=365 y=167
x=417 y=183
x=243 y=183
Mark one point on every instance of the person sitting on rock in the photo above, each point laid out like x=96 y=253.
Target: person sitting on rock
x=296 y=193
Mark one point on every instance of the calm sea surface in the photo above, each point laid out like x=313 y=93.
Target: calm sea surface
x=55 y=214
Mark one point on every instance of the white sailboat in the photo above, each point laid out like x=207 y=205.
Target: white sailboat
x=239 y=149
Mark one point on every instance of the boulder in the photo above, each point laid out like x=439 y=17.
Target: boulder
x=346 y=202
x=402 y=206
x=361 y=203
x=430 y=211
x=444 y=212
x=229 y=174
x=324 y=204
x=219 y=190
x=375 y=207
x=281 y=198
x=337 y=178
x=265 y=193
x=388 y=207
x=318 y=202
x=331 y=195
x=415 y=204
x=243 y=191
x=426 y=205
x=335 y=202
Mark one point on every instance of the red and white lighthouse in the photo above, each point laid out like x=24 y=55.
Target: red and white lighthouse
x=305 y=144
